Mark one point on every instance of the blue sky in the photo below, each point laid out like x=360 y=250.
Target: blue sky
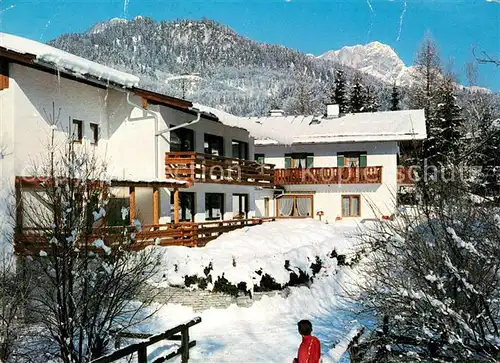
x=311 y=26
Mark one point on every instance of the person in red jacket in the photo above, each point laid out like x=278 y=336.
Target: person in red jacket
x=310 y=349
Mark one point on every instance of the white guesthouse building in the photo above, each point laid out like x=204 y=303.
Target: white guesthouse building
x=162 y=151
x=333 y=166
x=148 y=140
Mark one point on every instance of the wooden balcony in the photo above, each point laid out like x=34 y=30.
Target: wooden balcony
x=206 y=168
x=340 y=175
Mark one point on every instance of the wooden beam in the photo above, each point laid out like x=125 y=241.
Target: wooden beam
x=161 y=98
x=156 y=206
x=20 y=57
x=4 y=73
x=176 y=205
x=144 y=102
x=132 y=204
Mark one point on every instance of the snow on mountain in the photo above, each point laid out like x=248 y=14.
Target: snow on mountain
x=209 y=63
x=375 y=58
x=236 y=74
x=100 y=27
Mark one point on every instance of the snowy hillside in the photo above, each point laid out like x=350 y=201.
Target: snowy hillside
x=209 y=63
x=232 y=72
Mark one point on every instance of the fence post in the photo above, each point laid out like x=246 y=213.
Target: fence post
x=185 y=344
x=142 y=355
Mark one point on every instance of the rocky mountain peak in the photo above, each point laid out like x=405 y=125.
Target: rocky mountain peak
x=375 y=58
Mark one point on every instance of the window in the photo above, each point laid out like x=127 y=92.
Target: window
x=351 y=159
x=240 y=206
x=94 y=128
x=240 y=150
x=214 y=145
x=77 y=131
x=351 y=206
x=182 y=140
x=214 y=206
x=299 y=160
x=260 y=158
x=266 y=207
x=295 y=206
x=186 y=206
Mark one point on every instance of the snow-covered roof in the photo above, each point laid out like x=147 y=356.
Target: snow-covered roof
x=358 y=127
x=256 y=130
x=66 y=62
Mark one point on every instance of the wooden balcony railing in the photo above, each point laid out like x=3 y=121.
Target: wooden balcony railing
x=31 y=241
x=341 y=175
x=206 y=168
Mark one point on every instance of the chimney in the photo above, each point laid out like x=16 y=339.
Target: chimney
x=276 y=113
x=332 y=110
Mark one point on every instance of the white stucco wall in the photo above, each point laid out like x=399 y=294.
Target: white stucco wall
x=376 y=199
x=131 y=140
x=40 y=99
x=6 y=169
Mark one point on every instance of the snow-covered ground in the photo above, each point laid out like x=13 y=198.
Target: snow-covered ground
x=245 y=255
x=266 y=332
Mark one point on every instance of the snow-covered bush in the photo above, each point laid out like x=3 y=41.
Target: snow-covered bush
x=266 y=283
x=264 y=257
x=434 y=282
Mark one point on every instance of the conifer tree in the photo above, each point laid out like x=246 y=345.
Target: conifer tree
x=489 y=155
x=370 y=100
x=426 y=75
x=395 y=99
x=427 y=71
x=339 y=95
x=445 y=132
x=356 y=99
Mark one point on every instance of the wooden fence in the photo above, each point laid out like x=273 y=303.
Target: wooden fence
x=142 y=348
x=31 y=241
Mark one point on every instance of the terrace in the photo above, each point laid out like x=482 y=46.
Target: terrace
x=31 y=241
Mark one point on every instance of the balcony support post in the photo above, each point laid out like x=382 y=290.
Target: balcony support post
x=156 y=205
x=176 y=205
x=131 y=197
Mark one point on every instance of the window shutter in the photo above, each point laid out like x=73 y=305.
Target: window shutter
x=340 y=160
x=288 y=161
x=362 y=160
x=309 y=161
